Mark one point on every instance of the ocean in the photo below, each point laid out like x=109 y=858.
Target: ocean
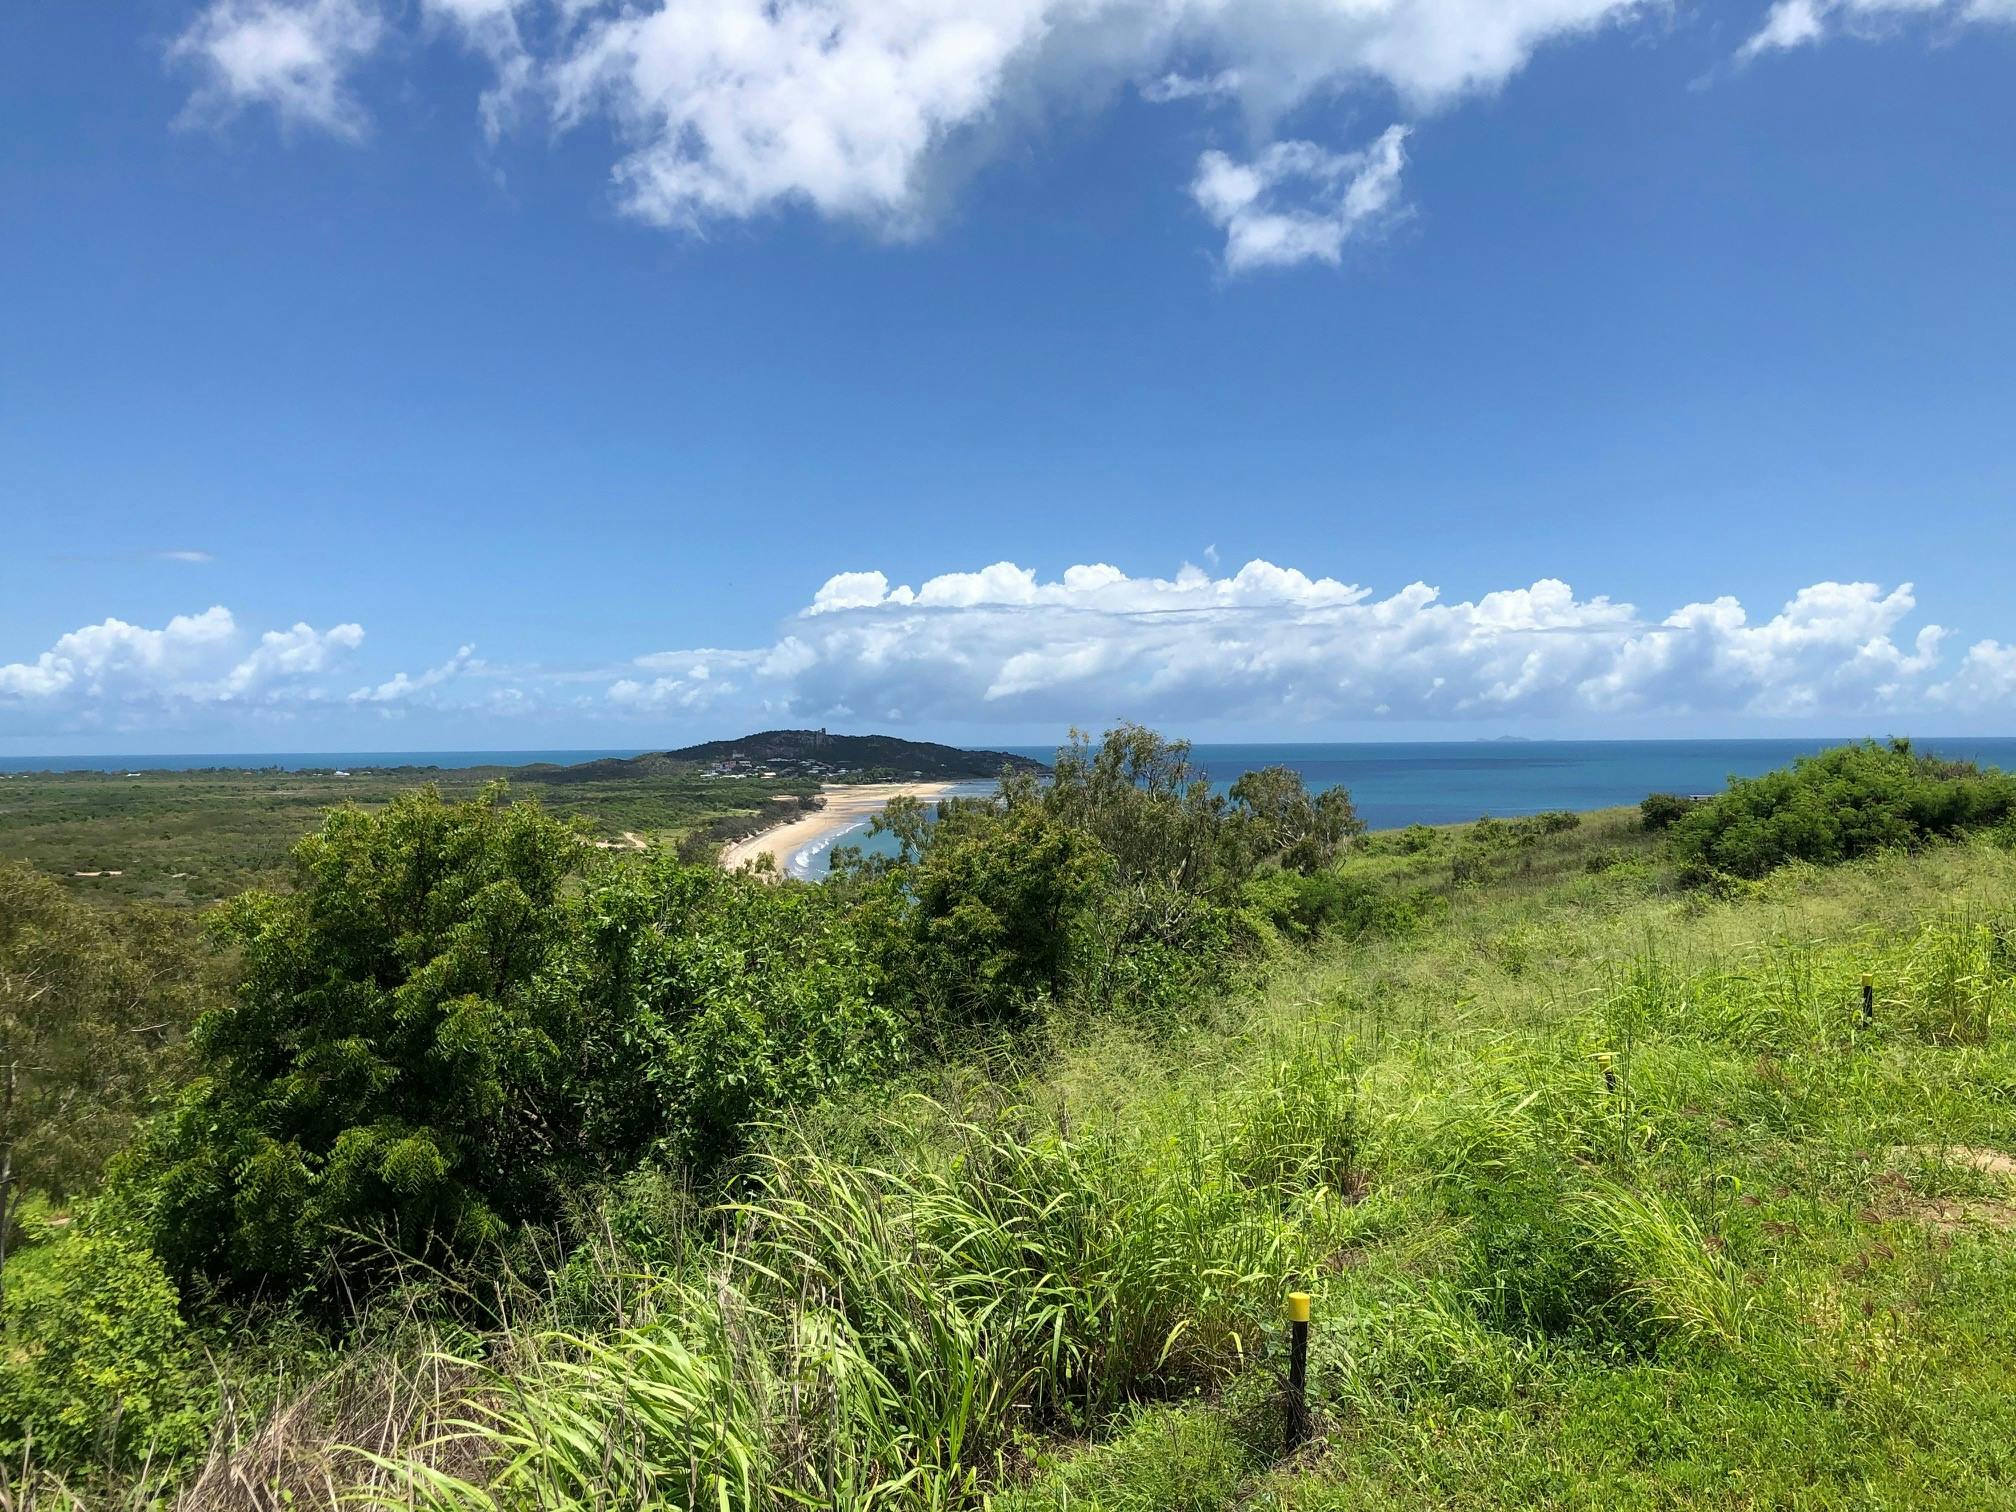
x=1392 y=783
x=1447 y=783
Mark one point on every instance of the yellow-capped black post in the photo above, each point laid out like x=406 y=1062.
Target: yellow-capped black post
x=1298 y=1370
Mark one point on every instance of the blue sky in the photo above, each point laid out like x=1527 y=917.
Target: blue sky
x=470 y=373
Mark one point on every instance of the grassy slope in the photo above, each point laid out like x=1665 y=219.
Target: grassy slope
x=1748 y=1278
x=231 y=830
x=1818 y=1304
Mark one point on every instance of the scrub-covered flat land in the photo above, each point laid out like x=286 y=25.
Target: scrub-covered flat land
x=201 y=836
x=197 y=837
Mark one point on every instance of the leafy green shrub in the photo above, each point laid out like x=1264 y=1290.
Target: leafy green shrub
x=1661 y=811
x=1275 y=818
x=1495 y=834
x=97 y=1368
x=1550 y=822
x=707 y=1000
x=643 y=1226
x=1330 y=902
x=394 y=1063
x=1007 y=912
x=1119 y=886
x=1839 y=805
x=442 y=1034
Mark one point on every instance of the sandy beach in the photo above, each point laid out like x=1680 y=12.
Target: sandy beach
x=847 y=804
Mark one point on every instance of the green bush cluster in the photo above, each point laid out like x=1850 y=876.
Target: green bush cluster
x=1120 y=885
x=1837 y=806
x=458 y=1018
x=99 y=1372
x=1661 y=811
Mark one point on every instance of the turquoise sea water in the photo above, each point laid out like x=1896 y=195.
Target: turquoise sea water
x=1445 y=783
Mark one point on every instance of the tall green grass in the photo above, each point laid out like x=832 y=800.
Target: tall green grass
x=1745 y=1275
x=872 y=1337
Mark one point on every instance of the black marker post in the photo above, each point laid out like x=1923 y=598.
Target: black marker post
x=1298 y=1370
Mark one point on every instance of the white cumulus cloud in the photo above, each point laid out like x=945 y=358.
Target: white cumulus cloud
x=861 y=109
x=402 y=688
x=1798 y=23
x=735 y=107
x=1263 y=647
x=292 y=56
x=1272 y=646
x=123 y=674
x=1295 y=202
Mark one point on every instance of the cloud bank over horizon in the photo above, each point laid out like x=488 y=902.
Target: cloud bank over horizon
x=115 y=675
x=1265 y=647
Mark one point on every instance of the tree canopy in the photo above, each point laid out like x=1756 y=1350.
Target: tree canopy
x=458 y=1017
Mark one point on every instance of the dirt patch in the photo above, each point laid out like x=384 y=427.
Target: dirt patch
x=628 y=840
x=1952 y=1214
x=1987 y=1162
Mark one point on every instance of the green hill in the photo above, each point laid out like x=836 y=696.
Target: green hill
x=815 y=753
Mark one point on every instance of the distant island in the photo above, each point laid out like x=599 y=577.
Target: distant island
x=803 y=754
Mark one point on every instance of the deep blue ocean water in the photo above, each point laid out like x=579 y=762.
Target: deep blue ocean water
x=1443 y=783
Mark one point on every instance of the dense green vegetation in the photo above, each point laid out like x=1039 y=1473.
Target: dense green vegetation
x=201 y=837
x=434 y=1039
x=92 y=1012
x=1122 y=884
x=1839 y=805
x=517 y=1174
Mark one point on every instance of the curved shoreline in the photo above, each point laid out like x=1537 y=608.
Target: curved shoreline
x=849 y=806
